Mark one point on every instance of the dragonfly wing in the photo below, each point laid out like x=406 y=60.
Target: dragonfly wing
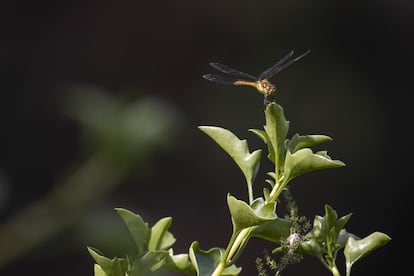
x=228 y=70
x=280 y=65
x=271 y=71
x=219 y=79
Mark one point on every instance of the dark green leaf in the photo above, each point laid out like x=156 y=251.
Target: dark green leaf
x=330 y=217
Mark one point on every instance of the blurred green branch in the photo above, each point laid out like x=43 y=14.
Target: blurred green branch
x=118 y=137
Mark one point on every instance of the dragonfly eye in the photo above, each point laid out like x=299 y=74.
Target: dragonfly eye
x=268 y=87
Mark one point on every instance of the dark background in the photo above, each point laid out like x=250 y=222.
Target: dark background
x=354 y=86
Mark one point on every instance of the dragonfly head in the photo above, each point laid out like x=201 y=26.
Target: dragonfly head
x=265 y=87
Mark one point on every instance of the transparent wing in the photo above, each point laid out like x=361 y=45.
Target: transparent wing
x=280 y=65
x=219 y=79
x=228 y=70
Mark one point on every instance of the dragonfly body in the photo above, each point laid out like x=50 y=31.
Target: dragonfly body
x=261 y=83
x=263 y=86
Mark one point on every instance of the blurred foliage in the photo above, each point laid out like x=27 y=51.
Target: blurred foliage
x=119 y=137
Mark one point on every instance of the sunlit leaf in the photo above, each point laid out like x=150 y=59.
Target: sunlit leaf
x=273 y=230
x=276 y=129
x=205 y=262
x=98 y=271
x=111 y=267
x=330 y=217
x=265 y=138
x=244 y=216
x=152 y=262
x=355 y=249
x=299 y=142
x=182 y=263
x=139 y=230
x=264 y=209
x=312 y=247
x=304 y=160
x=237 y=149
x=160 y=238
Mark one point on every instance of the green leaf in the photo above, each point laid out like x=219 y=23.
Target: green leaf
x=312 y=247
x=238 y=150
x=264 y=209
x=138 y=229
x=110 y=267
x=355 y=249
x=299 y=142
x=319 y=230
x=231 y=271
x=328 y=230
x=338 y=232
x=276 y=129
x=152 y=263
x=205 y=262
x=98 y=271
x=265 y=138
x=183 y=264
x=244 y=216
x=342 y=238
x=160 y=238
x=330 y=217
x=304 y=160
x=273 y=230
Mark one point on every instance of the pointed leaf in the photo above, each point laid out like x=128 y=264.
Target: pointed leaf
x=183 y=264
x=231 y=271
x=338 y=228
x=299 y=142
x=153 y=262
x=244 y=216
x=272 y=230
x=276 y=128
x=205 y=262
x=111 y=267
x=356 y=249
x=98 y=271
x=264 y=209
x=319 y=230
x=304 y=160
x=343 y=238
x=237 y=149
x=330 y=217
x=312 y=247
x=265 y=138
x=160 y=238
x=138 y=229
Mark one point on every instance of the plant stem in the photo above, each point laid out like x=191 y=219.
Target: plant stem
x=232 y=248
x=335 y=271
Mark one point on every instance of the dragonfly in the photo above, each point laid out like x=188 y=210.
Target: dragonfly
x=261 y=83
